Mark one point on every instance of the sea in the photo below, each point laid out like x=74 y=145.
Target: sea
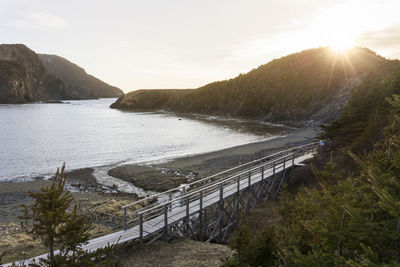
x=37 y=138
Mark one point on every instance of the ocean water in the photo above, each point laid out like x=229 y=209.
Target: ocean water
x=35 y=139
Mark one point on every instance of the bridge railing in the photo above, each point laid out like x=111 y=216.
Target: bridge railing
x=207 y=192
x=200 y=191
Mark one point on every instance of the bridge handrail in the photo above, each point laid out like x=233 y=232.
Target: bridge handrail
x=208 y=186
x=146 y=210
x=217 y=174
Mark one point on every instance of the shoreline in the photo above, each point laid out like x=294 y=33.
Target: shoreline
x=245 y=125
x=161 y=176
x=155 y=176
x=84 y=180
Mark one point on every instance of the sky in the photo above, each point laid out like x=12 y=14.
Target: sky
x=156 y=44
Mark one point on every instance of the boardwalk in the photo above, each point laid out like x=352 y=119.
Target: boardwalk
x=207 y=208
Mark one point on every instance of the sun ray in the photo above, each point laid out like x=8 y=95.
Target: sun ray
x=331 y=72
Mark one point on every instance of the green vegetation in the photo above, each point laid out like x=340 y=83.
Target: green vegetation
x=253 y=252
x=51 y=220
x=352 y=221
x=313 y=84
x=366 y=114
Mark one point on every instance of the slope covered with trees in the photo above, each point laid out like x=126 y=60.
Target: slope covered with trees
x=351 y=217
x=343 y=221
x=313 y=84
x=366 y=114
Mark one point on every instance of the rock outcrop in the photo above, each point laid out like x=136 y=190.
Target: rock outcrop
x=24 y=79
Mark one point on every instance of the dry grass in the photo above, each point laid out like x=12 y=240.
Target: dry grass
x=108 y=212
x=181 y=252
x=17 y=244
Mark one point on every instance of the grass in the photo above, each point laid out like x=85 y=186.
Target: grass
x=177 y=253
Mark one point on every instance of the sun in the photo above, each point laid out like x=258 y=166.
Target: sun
x=341 y=43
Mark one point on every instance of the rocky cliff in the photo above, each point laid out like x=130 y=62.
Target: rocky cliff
x=24 y=78
x=78 y=84
x=313 y=84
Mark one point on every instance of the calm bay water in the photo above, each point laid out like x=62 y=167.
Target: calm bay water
x=35 y=139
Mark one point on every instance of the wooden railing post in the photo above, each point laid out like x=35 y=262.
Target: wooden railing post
x=201 y=214
x=201 y=200
x=249 y=179
x=262 y=173
x=187 y=217
x=221 y=193
x=166 y=219
x=141 y=229
x=284 y=163
x=238 y=184
x=170 y=198
x=125 y=226
x=273 y=168
x=187 y=208
x=293 y=160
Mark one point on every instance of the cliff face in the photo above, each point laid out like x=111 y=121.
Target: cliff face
x=24 y=78
x=78 y=84
x=311 y=85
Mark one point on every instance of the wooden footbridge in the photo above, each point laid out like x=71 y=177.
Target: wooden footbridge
x=206 y=209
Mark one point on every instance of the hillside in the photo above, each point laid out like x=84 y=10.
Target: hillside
x=362 y=121
x=78 y=84
x=313 y=84
x=24 y=78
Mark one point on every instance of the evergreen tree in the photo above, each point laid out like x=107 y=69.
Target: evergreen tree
x=260 y=251
x=352 y=221
x=51 y=221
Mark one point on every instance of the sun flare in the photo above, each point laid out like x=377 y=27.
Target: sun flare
x=341 y=43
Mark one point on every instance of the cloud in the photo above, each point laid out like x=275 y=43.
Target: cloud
x=385 y=38
x=384 y=42
x=41 y=21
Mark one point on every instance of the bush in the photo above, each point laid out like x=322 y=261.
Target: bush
x=260 y=251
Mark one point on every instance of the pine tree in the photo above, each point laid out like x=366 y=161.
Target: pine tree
x=52 y=222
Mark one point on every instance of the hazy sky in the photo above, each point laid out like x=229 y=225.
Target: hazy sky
x=185 y=44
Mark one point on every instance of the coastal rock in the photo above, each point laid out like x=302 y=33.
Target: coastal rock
x=83 y=178
x=147 y=178
x=24 y=78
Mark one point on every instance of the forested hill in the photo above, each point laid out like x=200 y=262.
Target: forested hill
x=313 y=84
